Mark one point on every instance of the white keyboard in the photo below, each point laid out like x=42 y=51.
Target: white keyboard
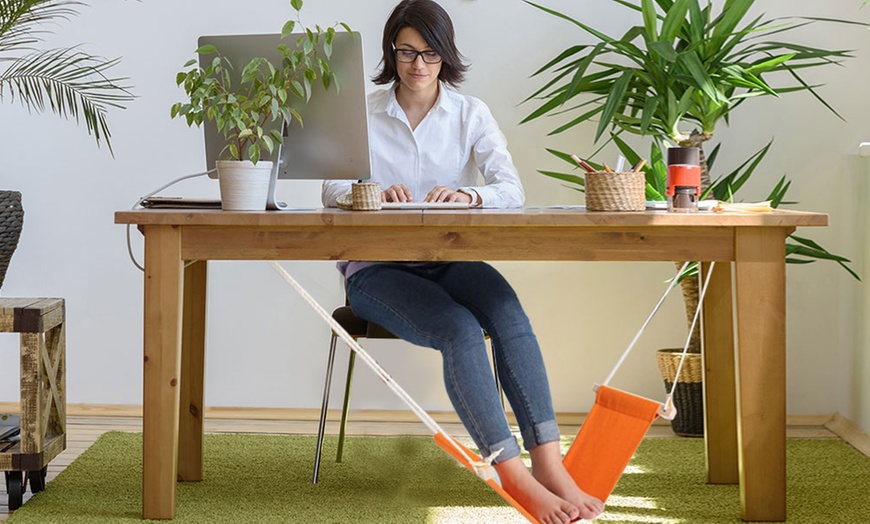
x=425 y=205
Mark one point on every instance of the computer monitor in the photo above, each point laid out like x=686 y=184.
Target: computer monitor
x=333 y=141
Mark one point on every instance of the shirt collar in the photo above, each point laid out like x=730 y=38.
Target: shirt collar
x=447 y=101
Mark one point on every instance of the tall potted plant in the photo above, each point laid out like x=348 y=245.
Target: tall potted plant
x=676 y=75
x=67 y=81
x=248 y=112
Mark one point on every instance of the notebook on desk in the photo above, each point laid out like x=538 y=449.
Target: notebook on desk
x=425 y=205
x=180 y=203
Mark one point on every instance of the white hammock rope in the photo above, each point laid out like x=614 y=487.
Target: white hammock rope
x=655 y=310
x=703 y=292
x=668 y=411
x=482 y=468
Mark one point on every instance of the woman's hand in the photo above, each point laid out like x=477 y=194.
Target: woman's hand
x=445 y=194
x=396 y=193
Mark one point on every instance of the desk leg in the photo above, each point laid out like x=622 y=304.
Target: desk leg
x=192 y=372
x=162 y=366
x=720 y=399
x=760 y=300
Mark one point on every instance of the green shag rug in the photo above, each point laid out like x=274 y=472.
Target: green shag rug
x=266 y=479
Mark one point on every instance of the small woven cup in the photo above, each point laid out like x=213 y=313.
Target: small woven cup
x=366 y=196
x=615 y=191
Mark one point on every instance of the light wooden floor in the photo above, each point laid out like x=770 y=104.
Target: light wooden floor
x=83 y=431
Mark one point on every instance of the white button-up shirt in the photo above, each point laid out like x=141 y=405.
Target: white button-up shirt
x=456 y=143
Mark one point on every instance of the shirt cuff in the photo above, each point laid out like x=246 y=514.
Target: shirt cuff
x=475 y=197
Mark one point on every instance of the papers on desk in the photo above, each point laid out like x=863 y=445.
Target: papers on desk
x=744 y=207
x=703 y=205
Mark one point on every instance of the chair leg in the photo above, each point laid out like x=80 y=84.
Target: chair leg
x=343 y=427
x=321 y=429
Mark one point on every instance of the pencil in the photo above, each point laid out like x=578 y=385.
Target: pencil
x=638 y=166
x=583 y=165
x=607 y=168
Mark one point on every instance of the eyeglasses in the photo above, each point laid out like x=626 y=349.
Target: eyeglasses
x=409 y=55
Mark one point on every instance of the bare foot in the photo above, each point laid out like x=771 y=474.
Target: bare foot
x=548 y=469
x=539 y=501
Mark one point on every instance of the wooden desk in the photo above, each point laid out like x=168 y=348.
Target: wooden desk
x=745 y=427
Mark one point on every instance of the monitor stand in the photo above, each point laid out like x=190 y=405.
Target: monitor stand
x=271 y=203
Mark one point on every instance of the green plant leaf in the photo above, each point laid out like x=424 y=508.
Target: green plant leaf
x=664 y=49
x=288 y=28
x=732 y=13
x=675 y=18
x=650 y=19
x=579 y=182
x=590 y=30
x=614 y=101
x=811 y=250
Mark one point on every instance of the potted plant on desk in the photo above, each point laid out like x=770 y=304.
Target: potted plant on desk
x=67 y=80
x=684 y=66
x=249 y=112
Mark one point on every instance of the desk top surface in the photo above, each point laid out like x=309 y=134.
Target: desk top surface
x=530 y=216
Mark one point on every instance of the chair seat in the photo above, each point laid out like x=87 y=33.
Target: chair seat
x=354 y=325
x=358 y=327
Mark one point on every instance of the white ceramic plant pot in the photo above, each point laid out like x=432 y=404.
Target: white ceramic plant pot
x=244 y=185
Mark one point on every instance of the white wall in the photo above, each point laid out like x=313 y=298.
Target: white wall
x=857 y=362
x=265 y=348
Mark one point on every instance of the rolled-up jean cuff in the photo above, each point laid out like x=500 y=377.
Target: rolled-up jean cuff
x=541 y=434
x=509 y=449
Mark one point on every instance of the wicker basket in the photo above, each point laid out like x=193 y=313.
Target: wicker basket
x=689 y=393
x=609 y=191
x=11 y=222
x=366 y=196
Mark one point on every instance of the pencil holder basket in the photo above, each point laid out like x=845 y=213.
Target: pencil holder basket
x=615 y=191
x=366 y=196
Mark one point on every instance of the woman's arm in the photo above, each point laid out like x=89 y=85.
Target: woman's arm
x=332 y=189
x=502 y=186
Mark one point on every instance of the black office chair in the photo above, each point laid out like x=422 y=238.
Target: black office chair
x=357 y=328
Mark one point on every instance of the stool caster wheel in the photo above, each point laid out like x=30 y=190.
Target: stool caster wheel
x=15 y=489
x=37 y=479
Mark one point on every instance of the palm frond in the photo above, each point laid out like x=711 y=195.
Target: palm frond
x=70 y=83
x=23 y=22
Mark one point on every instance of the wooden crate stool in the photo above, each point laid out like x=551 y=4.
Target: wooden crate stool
x=41 y=324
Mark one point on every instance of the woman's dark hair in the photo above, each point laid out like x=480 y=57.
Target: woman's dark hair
x=434 y=25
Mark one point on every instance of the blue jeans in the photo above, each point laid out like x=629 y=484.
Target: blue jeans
x=444 y=306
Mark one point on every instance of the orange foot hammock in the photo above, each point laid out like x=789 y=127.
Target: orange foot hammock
x=608 y=438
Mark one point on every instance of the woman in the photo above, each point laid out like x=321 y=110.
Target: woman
x=431 y=142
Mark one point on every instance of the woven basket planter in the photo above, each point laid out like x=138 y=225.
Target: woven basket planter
x=689 y=393
x=609 y=191
x=11 y=222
